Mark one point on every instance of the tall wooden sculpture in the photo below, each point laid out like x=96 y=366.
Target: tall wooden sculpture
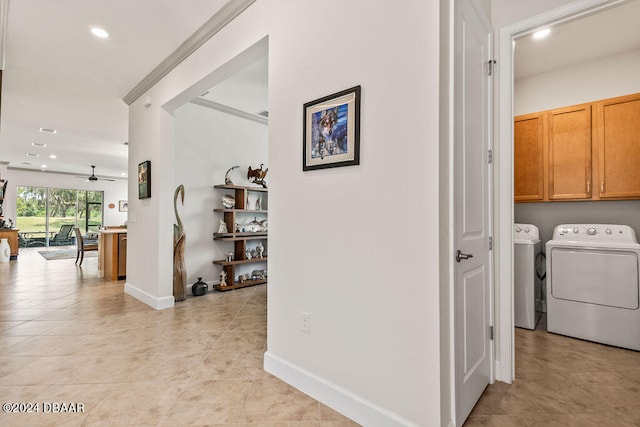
x=179 y=271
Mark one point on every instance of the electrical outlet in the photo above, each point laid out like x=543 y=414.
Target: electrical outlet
x=305 y=325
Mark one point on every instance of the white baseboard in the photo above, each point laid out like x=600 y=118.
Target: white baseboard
x=339 y=399
x=150 y=300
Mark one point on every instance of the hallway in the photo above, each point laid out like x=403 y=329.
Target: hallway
x=68 y=337
x=563 y=381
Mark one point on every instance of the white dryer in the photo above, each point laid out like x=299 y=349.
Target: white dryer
x=593 y=283
x=527 y=286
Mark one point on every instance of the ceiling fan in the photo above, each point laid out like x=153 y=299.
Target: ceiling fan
x=93 y=176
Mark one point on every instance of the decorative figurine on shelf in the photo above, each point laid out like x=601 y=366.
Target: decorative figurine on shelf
x=247 y=254
x=228 y=201
x=260 y=250
x=229 y=256
x=237 y=228
x=179 y=270
x=242 y=278
x=258 y=204
x=227 y=176
x=257 y=175
x=247 y=204
x=256 y=226
x=223 y=278
x=259 y=274
x=222 y=228
x=254 y=254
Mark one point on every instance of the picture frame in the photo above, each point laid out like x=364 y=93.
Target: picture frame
x=331 y=131
x=144 y=180
x=123 y=206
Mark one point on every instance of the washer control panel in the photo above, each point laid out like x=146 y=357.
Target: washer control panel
x=526 y=232
x=597 y=232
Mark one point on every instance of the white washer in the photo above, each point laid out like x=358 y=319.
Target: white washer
x=527 y=287
x=593 y=283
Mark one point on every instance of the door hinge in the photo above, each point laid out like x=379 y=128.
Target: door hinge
x=491 y=333
x=492 y=64
x=490 y=243
x=490 y=156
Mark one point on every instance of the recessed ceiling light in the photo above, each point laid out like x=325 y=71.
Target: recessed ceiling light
x=53 y=156
x=32 y=154
x=540 y=34
x=100 y=33
x=38 y=144
x=123 y=174
x=43 y=166
x=47 y=130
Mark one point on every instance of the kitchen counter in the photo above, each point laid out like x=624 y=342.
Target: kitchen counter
x=112 y=253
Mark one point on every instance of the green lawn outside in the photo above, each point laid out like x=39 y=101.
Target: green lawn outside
x=38 y=224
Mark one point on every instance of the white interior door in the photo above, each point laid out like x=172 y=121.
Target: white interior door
x=472 y=260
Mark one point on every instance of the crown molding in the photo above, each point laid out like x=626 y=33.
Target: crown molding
x=217 y=22
x=230 y=110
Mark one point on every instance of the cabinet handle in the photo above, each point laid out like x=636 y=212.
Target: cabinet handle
x=588 y=187
x=602 y=186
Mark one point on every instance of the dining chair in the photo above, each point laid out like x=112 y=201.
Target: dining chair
x=82 y=247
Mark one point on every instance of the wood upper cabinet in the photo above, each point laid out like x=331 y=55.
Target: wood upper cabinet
x=569 y=153
x=528 y=154
x=618 y=134
x=584 y=152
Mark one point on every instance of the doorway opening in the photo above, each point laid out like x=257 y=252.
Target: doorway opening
x=563 y=20
x=220 y=129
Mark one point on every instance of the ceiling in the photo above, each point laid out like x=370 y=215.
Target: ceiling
x=610 y=32
x=58 y=75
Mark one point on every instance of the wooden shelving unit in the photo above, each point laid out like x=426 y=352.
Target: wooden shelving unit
x=239 y=239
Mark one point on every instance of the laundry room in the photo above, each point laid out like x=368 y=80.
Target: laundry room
x=577 y=131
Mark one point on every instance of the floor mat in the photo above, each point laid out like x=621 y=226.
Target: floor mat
x=64 y=254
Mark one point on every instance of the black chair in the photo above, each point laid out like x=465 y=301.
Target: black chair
x=63 y=236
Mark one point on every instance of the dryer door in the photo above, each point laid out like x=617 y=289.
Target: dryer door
x=603 y=277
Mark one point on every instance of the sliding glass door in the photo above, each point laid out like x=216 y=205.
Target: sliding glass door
x=31 y=207
x=47 y=216
x=62 y=210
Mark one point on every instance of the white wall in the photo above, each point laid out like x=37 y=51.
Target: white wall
x=337 y=248
x=114 y=191
x=586 y=82
x=208 y=143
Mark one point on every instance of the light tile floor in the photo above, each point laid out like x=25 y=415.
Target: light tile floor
x=562 y=381
x=67 y=336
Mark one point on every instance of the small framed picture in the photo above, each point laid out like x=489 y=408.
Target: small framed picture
x=332 y=131
x=144 y=180
x=123 y=206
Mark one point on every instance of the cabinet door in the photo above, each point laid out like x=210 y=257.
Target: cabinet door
x=570 y=153
x=619 y=147
x=528 y=156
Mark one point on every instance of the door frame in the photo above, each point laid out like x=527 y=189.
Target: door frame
x=503 y=170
